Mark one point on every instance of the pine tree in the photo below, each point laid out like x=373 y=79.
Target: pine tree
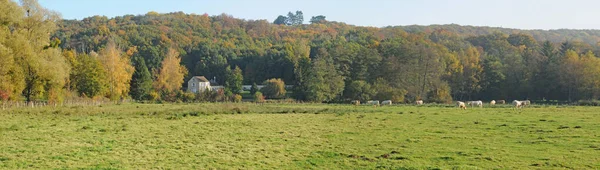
x=253 y=89
x=141 y=81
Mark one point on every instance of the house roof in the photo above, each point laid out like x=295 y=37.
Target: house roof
x=201 y=78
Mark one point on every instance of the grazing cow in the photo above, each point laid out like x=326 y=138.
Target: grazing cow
x=373 y=102
x=356 y=102
x=501 y=102
x=461 y=105
x=493 y=102
x=526 y=103
x=517 y=104
x=419 y=102
x=386 y=102
x=475 y=103
x=479 y=103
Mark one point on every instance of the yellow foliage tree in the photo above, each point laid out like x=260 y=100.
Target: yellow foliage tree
x=118 y=69
x=171 y=75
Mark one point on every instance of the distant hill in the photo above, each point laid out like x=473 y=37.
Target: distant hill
x=556 y=36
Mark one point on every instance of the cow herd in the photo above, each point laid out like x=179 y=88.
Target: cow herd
x=518 y=104
x=462 y=105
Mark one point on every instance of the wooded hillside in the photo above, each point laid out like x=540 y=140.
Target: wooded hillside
x=124 y=57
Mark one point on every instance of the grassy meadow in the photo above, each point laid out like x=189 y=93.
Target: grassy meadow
x=299 y=136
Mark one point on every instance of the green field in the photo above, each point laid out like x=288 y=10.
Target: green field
x=299 y=136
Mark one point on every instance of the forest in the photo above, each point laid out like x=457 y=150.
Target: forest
x=150 y=57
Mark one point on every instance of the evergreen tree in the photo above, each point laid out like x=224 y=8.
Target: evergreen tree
x=253 y=89
x=234 y=80
x=141 y=81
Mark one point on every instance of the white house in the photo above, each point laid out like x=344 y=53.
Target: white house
x=198 y=84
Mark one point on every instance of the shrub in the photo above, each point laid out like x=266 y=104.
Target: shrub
x=152 y=96
x=188 y=97
x=274 y=89
x=588 y=102
x=237 y=98
x=258 y=97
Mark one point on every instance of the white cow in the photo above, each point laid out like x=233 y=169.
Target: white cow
x=386 y=102
x=373 y=102
x=419 y=102
x=493 y=102
x=517 y=104
x=461 y=105
x=526 y=103
x=478 y=103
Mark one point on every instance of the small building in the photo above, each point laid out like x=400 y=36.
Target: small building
x=198 y=84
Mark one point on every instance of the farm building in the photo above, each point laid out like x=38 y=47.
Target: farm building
x=199 y=84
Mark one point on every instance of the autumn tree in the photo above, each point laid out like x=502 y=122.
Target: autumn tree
x=38 y=67
x=11 y=76
x=171 y=74
x=118 y=70
x=467 y=81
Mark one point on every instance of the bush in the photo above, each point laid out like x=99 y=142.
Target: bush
x=188 y=97
x=237 y=98
x=258 y=97
x=588 y=102
x=274 y=89
x=440 y=94
x=153 y=96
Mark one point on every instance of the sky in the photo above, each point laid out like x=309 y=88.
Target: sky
x=522 y=14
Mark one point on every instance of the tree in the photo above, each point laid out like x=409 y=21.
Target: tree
x=323 y=81
x=281 y=20
x=359 y=90
x=274 y=89
x=319 y=19
x=11 y=76
x=591 y=76
x=141 y=81
x=171 y=74
x=253 y=89
x=298 y=19
x=493 y=78
x=35 y=66
x=291 y=19
x=118 y=69
x=234 y=80
x=89 y=76
x=385 y=91
x=467 y=81
x=571 y=74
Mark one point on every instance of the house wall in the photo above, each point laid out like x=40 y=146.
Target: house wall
x=195 y=86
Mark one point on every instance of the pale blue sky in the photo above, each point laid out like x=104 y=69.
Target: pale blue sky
x=524 y=14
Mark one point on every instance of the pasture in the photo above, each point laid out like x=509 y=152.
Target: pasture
x=299 y=136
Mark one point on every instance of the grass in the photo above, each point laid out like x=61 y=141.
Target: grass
x=300 y=136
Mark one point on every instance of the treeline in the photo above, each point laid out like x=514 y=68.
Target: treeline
x=149 y=57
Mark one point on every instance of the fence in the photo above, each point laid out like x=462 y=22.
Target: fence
x=67 y=103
